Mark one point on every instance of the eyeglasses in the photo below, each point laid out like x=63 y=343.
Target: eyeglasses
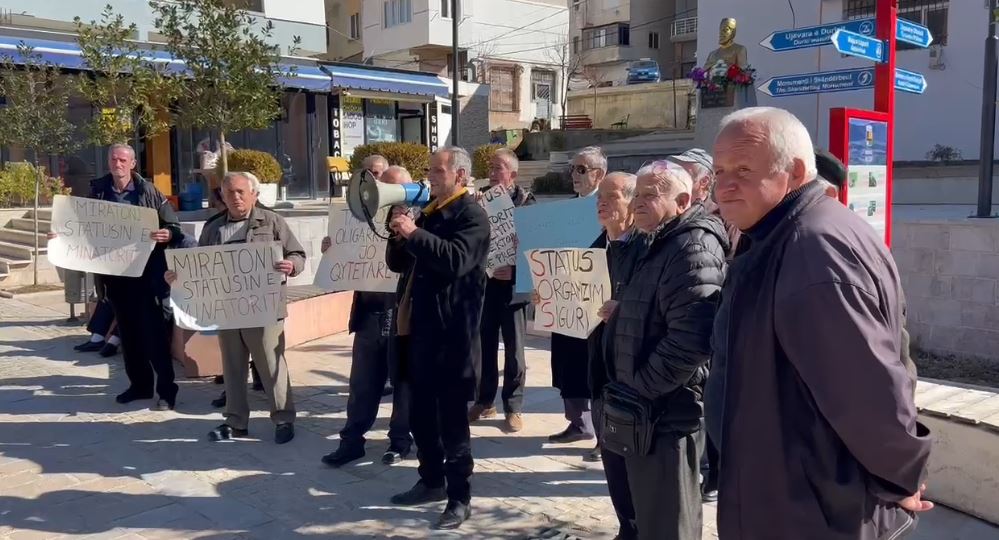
x=582 y=169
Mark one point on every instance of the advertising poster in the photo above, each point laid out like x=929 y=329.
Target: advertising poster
x=353 y=124
x=867 y=172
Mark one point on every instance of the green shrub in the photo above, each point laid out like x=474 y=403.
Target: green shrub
x=552 y=183
x=263 y=165
x=17 y=185
x=481 y=158
x=415 y=158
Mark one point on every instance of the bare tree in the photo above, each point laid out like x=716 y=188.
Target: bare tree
x=595 y=79
x=569 y=65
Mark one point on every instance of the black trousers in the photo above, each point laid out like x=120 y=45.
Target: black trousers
x=374 y=361
x=145 y=336
x=103 y=318
x=665 y=488
x=498 y=316
x=617 y=482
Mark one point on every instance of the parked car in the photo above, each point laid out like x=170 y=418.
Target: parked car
x=643 y=71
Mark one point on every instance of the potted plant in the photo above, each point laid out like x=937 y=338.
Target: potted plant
x=263 y=165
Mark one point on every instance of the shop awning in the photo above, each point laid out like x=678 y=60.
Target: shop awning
x=381 y=80
x=66 y=54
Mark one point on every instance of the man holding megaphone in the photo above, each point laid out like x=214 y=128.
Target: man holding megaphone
x=441 y=258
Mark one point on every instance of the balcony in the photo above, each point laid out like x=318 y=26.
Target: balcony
x=684 y=29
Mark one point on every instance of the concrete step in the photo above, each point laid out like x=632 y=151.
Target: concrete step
x=43 y=214
x=25 y=275
x=28 y=224
x=25 y=238
x=22 y=252
x=8 y=265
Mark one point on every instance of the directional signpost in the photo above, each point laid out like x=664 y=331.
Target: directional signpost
x=814 y=36
x=859 y=45
x=844 y=80
x=913 y=33
x=909 y=81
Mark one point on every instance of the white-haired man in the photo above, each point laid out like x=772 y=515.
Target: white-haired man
x=375 y=164
x=658 y=346
x=245 y=222
x=569 y=374
x=374 y=360
x=816 y=422
x=441 y=259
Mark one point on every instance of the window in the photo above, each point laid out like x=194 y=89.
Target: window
x=501 y=89
x=464 y=8
x=606 y=36
x=575 y=44
x=398 y=12
x=929 y=13
x=355 y=26
x=446 y=9
x=653 y=40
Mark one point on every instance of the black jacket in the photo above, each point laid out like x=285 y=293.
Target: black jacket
x=662 y=327
x=149 y=197
x=446 y=257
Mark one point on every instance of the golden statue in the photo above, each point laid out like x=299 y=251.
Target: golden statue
x=728 y=50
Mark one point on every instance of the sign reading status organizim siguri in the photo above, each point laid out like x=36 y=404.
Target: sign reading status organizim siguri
x=226 y=287
x=101 y=237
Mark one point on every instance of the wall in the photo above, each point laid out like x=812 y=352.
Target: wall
x=950 y=274
x=949 y=113
x=306 y=11
x=650 y=105
x=339 y=45
x=954 y=185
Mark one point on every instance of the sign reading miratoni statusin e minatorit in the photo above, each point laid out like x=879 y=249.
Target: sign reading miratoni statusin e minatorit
x=101 y=237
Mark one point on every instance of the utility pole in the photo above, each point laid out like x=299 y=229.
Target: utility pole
x=987 y=153
x=455 y=105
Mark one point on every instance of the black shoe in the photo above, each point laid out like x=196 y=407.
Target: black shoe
x=343 y=455
x=420 y=494
x=593 y=456
x=453 y=516
x=220 y=401
x=284 y=433
x=130 y=395
x=109 y=350
x=226 y=432
x=90 y=346
x=709 y=490
x=570 y=435
x=164 y=405
x=219 y=379
x=394 y=455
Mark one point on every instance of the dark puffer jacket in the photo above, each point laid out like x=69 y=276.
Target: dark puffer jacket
x=662 y=327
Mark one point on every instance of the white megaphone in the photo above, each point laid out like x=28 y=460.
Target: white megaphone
x=365 y=195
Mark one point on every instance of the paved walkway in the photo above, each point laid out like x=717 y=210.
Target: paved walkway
x=73 y=463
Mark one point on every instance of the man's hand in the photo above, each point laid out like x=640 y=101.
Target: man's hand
x=397 y=210
x=285 y=267
x=607 y=310
x=170 y=276
x=325 y=245
x=916 y=503
x=50 y=235
x=161 y=236
x=403 y=225
x=535 y=297
x=503 y=273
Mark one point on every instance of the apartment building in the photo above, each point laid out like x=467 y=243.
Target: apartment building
x=524 y=63
x=607 y=36
x=343 y=31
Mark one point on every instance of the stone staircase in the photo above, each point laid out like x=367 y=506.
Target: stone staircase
x=17 y=251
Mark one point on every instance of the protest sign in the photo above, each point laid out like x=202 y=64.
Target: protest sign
x=502 y=233
x=570 y=223
x=101 y=237
x=226 y=287
x=572 y=285
x=356 y=258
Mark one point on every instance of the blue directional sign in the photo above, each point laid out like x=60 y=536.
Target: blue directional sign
x=913 y=33
x=859 y=45
x=814 y=36
x=909 y=81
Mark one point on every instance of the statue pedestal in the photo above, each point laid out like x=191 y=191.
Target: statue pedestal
x=713 y=106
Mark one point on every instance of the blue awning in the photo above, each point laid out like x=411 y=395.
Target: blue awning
x=380 y=80
x=66 y=54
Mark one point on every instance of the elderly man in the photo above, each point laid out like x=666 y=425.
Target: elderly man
x=139 y=303
x=244 y=222
x=502 y=313
x=374 y=361
x=817 y=430
x=568 y=354
x=376 y=165
x=658 y=348
x=441 y=260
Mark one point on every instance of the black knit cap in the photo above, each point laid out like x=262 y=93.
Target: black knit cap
x=830 y=168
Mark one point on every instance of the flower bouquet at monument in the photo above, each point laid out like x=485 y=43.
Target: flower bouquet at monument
x=722 y=76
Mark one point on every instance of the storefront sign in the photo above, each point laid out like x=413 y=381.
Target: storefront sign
x=432 y=111
x=226 y=287
x=336 y=137
x=353 y=124
x=355 y=260
x=572 y=285
x=101 y=237
x=381 y=124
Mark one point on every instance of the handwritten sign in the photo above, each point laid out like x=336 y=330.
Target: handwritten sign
x=572 y=285
x=101 y=237
x=570 y=223
x=226 y=287
x=356 y=258
x=502 y=233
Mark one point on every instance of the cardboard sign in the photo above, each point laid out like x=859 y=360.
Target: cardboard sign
x=101 y=237
x=570 y=223
x=356 y=258
x=502 y=232
x=572 y=285
x=226 y=287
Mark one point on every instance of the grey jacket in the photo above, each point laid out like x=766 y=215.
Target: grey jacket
x=264 y=226
x=819 y=431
